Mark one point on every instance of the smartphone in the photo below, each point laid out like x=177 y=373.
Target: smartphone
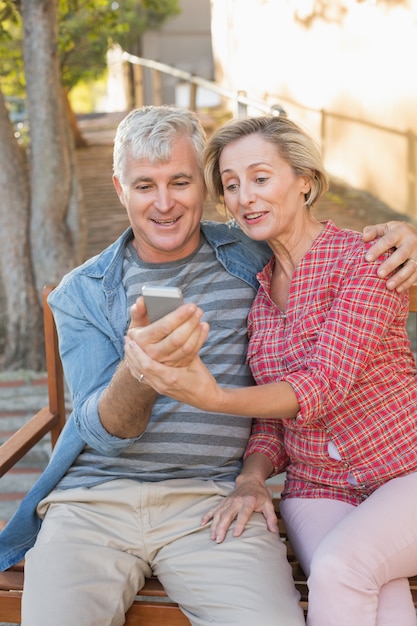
x=160 y=301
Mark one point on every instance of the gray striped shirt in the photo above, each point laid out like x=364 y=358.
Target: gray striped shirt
x=181 y=441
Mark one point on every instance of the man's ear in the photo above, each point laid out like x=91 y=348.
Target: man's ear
x=119 y=189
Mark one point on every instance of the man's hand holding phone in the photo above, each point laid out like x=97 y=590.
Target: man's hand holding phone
x=174 y=339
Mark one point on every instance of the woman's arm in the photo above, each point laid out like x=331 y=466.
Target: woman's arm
x=195 y=385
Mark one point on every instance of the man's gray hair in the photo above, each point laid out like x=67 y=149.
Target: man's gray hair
x=149 y=132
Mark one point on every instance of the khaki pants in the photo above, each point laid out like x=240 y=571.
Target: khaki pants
x=97 y=545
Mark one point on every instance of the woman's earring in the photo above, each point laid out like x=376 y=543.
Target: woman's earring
x=231 y=222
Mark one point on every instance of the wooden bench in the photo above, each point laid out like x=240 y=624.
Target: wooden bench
x=152 y=605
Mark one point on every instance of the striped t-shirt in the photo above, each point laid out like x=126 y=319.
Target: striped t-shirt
x=181 y=441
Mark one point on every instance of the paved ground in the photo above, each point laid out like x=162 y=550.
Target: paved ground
x=22 y=393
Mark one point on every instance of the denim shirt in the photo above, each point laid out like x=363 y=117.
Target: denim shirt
x=90 y=304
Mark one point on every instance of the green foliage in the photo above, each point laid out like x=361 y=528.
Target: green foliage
x=8 y=12
x=11 y=67
x=86 y=30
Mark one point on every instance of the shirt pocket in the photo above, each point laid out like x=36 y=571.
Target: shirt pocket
x=228 y=308
x=284 y=347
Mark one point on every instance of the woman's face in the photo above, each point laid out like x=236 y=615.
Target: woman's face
x=261 y=190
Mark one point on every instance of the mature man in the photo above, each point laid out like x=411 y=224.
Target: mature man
x=134 y=473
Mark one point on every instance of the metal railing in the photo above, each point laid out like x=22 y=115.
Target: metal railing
x=240 y=101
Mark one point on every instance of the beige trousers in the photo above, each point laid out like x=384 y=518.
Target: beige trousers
x=97 y=545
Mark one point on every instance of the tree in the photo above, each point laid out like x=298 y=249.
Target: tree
x=42 y=224
x=20 y=311
x=36 y=243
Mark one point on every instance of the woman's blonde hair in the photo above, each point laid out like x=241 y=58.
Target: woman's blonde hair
x=293 y=144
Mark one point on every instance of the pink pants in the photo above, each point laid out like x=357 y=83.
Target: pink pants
x=358 y=558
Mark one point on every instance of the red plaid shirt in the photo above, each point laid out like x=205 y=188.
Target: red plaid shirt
x=343 y=347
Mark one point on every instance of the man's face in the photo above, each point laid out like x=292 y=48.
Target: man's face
x=164 y=203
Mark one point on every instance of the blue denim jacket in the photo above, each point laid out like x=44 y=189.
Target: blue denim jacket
x=91 y=302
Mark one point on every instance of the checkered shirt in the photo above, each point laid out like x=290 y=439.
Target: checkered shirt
x=343 y=347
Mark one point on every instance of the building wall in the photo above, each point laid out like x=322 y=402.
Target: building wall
x=183 y=42
x=345 y=69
